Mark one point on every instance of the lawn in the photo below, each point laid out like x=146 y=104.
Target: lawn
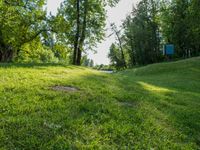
x=152 y=107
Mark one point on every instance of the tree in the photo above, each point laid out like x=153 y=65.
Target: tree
x=117 y=33
x=86 y=20
x=179 y=27
x=85 y=61
x=179 y=22
x=115 y=56
x=142 y=33
x=194 y=27
x=20 y=22
x=91 y=63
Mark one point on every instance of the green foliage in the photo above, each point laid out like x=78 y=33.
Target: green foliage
x=117 y=54
x=95 y=21
x=108 y=68
x=115 y=57
x=20 y=22
x=81 y=24
x=87 y=62
x=62 y=52
x=180 y=25
x=194 y=28
x=142 y=34
x=152 y=107
x=35 y=52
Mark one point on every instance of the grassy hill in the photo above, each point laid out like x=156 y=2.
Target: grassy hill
x=152 y=107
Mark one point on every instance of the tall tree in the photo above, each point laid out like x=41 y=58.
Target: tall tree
x=194 y=27
x=86 y=20
x=180 y=27
x=83 y=32
x=76 y=41
x=142 y=33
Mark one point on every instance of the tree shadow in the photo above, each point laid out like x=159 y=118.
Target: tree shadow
x=38 y=65
x=180 y=107
x=179 y=100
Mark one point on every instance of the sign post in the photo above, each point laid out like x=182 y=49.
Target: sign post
x=168 y=50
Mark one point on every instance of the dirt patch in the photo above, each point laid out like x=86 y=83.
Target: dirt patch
x=65 y=88
x=52 y=125
x=127 y=104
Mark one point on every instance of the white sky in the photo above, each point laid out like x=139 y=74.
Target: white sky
x=114 y=15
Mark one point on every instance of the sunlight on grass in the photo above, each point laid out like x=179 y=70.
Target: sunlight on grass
x=153 y=88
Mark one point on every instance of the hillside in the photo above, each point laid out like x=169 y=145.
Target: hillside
x=67 y=107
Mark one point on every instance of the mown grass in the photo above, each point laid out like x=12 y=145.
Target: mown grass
x=153 y=107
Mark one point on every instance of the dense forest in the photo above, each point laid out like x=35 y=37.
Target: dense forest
x=151 y=25
x=29 y=34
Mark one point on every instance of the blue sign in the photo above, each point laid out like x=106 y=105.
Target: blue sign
x=169 y=49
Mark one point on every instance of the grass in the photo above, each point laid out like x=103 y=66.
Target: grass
x=153 y=107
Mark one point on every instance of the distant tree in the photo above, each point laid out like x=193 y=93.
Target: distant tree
x=85 y=61
x=91 y=63
x=119 y=41
x=115 y=56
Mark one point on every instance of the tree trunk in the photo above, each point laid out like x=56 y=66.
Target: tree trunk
x=6 y=51
x=76 y=41
x=133 y=62
x=122 y=52
x=82 y=38
x=6 y=54
x=79 y=56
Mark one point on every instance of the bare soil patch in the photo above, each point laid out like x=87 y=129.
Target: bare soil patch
x=65 y=88
x=127 y=104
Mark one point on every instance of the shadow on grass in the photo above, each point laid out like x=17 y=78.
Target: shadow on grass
x=181 y=105
x=176 y=97
x=38 y=65
x=181 y=108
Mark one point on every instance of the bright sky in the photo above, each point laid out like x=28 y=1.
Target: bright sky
x=114 y=15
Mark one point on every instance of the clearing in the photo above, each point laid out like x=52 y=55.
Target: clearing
x=152 y=107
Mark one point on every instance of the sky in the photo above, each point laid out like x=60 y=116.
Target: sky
x=114 y=15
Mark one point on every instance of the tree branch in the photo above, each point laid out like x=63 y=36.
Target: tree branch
x=16 y=3
x=36 y=35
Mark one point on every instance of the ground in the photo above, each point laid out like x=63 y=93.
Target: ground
x=152 y=107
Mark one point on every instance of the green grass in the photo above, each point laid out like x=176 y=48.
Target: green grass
x=153 y=107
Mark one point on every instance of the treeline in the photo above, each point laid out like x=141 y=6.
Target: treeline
x=154 y=23
x=29 y=34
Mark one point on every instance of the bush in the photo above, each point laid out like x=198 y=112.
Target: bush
x=35 y=52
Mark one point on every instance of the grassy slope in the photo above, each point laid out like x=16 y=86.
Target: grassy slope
x=156 y=106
